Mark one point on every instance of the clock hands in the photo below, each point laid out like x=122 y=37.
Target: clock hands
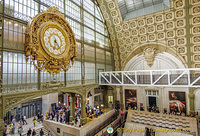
x=55 y=43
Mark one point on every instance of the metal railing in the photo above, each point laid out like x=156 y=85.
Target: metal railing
x=166 y=77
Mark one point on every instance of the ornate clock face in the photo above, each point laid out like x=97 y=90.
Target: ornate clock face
x=54 y=41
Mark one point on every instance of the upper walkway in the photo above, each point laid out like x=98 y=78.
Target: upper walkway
x=165 y=77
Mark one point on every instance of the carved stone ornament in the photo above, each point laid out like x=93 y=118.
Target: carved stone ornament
x=52 y=84
x=149 y=55
x=50 y=42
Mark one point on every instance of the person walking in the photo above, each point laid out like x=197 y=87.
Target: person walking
x=10 y=128
x=41 y=132
x=34 y=121
x=57 y=117
x=34 y=132
x=5 y=130
x=49 y=133
x=13 y=129
x=20 y=131
x=25 y=120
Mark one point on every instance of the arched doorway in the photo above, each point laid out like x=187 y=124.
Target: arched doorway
x=162 y=60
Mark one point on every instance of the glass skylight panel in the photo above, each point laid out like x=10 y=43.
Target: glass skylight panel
x=134 y=8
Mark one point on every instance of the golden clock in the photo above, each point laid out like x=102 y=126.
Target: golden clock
x=50 y=40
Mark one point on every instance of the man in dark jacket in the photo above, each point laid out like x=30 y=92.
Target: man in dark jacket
x=41 y=132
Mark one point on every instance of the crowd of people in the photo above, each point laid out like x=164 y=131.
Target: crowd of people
x=94 y=112
x=62 y=114
x=10 y=128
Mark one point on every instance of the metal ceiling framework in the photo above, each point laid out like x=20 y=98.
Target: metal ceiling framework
x=165 y=77
x=137 y=7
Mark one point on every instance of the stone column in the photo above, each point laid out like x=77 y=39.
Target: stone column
x=66 y=99
x=118 y=93
x=39 y=80
x=122 y=97
x=191 y=100
x=83 y=111
x=72 y=107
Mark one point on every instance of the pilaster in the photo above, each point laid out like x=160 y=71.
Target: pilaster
x=122 y=97
x=83 y=111
x=191 y=100
x=72 y=107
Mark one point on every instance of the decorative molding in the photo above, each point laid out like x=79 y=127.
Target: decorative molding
x=149 y=55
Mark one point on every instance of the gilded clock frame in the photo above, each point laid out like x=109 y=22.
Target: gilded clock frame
x=34 y=46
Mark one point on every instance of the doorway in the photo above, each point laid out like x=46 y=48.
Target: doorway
x=152 y=101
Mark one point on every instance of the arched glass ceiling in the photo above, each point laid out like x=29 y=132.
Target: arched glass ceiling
x=134 y=8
